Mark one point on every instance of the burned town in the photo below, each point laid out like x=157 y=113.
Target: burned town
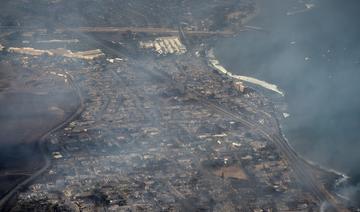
x=124 y=109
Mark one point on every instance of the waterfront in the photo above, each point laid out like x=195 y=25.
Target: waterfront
x=161 y=125
x=313 y=55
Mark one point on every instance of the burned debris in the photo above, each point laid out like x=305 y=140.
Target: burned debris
x=146 y=151
x=158 y=133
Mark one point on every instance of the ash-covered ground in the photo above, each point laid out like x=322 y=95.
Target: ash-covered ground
x=147 y=124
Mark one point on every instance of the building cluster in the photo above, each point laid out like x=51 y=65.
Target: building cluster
x=164 y=45
x=163 y=134
x=174 y=133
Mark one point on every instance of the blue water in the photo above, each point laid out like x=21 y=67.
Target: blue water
x=314 y=57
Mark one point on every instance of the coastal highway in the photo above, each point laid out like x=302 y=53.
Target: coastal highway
x=42 y=145
x=300 y=167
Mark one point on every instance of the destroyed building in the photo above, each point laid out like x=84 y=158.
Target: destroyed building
x=151 y=132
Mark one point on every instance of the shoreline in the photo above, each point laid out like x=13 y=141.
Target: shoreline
x=215 y=64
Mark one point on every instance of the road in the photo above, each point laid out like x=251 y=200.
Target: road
x=147 y=30
x=42 y=145
x=301 y=168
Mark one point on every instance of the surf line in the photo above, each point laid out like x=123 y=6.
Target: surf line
x=214 y=63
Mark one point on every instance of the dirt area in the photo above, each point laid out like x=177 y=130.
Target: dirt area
x=231 y=172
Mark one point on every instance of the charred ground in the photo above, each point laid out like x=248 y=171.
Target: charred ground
x=158 y=132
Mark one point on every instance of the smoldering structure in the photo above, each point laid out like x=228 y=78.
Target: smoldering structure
x=158 y=129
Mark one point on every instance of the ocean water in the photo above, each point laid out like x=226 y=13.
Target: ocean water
x=310 y=49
